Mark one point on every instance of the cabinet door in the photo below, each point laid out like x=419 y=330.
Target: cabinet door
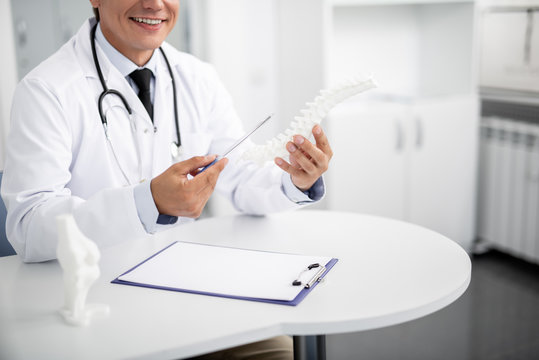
x=368 y=168
x=443 y=166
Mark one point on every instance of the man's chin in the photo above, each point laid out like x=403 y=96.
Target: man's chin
x=151 y=44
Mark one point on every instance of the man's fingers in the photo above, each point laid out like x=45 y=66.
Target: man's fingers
x=292 y=148
x=208 y=178
x=216 y=168
x=303 y=161
x=322 y=141
x=294 y=163
x=305 y=154
x=286 y=167
x=191 y=165
x=174 y=194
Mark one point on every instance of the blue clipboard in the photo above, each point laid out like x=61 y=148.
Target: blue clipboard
x=295 y=301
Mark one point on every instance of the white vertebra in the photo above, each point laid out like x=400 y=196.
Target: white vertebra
x=310 y=116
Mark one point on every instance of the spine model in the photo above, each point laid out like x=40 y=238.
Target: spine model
x=313 y=114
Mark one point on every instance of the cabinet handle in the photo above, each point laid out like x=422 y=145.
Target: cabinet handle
x=399 y=132
x=419 y=133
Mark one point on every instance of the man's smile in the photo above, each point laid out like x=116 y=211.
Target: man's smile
x=147 y=21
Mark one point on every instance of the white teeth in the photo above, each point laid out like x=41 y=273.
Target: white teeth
x=148 y=21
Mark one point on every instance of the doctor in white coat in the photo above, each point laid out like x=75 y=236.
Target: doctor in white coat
x=123 y=158
x=132 y=181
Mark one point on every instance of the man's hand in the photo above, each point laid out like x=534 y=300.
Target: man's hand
x=307 y=161
x=176 y=195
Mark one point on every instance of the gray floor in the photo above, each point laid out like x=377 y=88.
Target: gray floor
x=497 y=318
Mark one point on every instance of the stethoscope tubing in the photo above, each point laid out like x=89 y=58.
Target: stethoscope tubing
x=107 y=91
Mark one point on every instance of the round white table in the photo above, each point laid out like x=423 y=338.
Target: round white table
x=388 y=272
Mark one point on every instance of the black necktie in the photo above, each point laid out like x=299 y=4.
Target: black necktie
x=142 y=79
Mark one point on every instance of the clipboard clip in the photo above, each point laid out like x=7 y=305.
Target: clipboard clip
x=316 y=277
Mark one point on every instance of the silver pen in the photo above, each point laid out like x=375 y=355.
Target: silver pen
x=237 y=143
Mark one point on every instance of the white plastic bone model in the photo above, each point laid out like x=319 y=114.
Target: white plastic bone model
x=78 y=256
x=315 y=112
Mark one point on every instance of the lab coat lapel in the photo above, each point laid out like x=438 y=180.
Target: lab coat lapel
x=163 y=99
x=83 y=50
x=164 y=119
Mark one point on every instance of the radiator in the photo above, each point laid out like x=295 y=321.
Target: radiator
x=508 y=189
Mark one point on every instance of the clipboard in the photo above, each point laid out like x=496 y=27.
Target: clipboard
x=233 y=273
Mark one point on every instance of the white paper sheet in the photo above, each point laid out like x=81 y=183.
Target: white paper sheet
x=226 y=271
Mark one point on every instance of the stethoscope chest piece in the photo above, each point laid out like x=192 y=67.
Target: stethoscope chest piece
x=175 y=150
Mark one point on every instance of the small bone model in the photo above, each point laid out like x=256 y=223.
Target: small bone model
x=315 y=112
x=78 y=256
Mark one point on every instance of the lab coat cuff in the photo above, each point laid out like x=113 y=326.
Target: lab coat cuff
x=315 y=193
x=147 y=211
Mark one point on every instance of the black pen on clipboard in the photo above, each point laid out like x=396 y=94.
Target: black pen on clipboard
x=237 y=143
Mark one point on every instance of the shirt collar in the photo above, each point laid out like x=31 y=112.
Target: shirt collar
x=118 y=60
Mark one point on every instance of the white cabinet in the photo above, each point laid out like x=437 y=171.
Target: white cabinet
x=443 y=162
x=409 y=149
x=414 y=162
x=369 y=164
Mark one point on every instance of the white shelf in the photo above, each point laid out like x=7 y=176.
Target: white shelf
x=419 y=49
x=393 y=2
x=507 y=3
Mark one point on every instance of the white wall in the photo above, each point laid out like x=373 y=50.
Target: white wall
x=241 y=45
x=9 y=73
x=238 y=37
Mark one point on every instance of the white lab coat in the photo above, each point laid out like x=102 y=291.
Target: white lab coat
x=58 y=160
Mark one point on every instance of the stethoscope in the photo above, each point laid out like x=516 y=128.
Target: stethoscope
x=175 y=146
